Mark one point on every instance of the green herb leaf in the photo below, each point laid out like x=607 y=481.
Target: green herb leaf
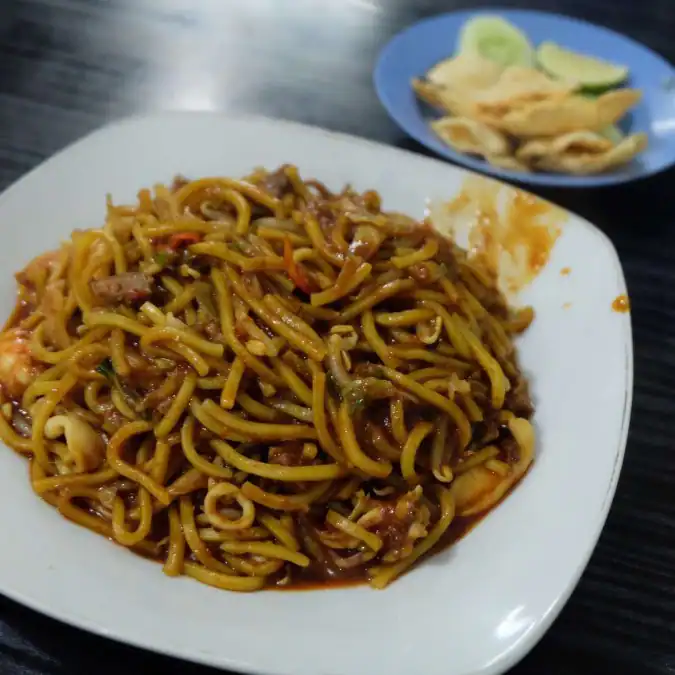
x=162 y=259
x=106 y=369
x=333 y=387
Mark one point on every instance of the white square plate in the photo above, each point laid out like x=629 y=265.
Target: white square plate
x=476 y=608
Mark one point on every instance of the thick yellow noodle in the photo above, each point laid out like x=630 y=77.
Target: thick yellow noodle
x=260 y=382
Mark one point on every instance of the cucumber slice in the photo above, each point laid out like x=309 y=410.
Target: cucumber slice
x=612 y=133
x=496 y=39
x=588 y=72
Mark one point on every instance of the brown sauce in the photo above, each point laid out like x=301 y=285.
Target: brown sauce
x=565 y=271
x=621 y=304
x=311 y=579
x=317 y=576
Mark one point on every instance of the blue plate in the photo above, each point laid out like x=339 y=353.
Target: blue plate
x=411 y=53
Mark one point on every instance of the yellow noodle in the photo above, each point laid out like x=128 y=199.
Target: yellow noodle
x=117 y=397
x=340 y=291
x=184 y=336
x=280 y=375
x=175 y=557
x=40 y=352
x=295 y=502
x=280 y=532
x=313 y=348
x=491 y=366
x=131 y=472
x=178 y=406
x=197 y=546
x=250 y=191
x=223 y=581
x=375 y=341
x=214 y=382
x=267 y=550
x=409 y=453
x=387 y=574
x=40 y=417
x=319 y=242
x=253 y=567
x=227 y=327
x=479 y=457
x=122 y=535
x=217 y=519
x=326 y=440
x=408 y=317
x=448 y=406
x=257 y=409
x=295 y=383
x=374 y=298
x=74 y=480
x=160 y=461
x=317 y=472
x=203 y=465
x=396 y=415
x=352 y=449
x=191 y=481
x=428 y=251
x=181 y=301
x=258 y=430
x=440 y=453
x=224 y=252
x=119 y=361
x=371 y=540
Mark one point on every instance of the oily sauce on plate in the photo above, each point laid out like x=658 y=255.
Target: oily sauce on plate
x=510 y=231
x=621 y=304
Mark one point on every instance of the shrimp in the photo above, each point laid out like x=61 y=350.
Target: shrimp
x=45 y=267
x=17 y=366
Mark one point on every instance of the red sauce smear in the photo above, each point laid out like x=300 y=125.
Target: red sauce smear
x=516 y=241
x=621 y=304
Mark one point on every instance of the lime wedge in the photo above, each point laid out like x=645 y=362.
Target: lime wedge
x=496 y=39
x=586 y=71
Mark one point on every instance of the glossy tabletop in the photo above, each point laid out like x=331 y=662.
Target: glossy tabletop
x=67 y=67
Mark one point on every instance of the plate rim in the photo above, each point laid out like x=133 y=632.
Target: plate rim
x=481 y=166
x=517 y=651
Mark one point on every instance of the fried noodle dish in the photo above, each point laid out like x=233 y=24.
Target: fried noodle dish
x=262 y=383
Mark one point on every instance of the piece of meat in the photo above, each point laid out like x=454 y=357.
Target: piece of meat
x=518 y=398
x=446 y=256
x=179 y=182
x=420 y=273
x=399 y=522
x=212 y=329
x=122 y=287
x=113 y=420
x=289 y=454
x=487 y=431
x=509 y=450
x=276 y=183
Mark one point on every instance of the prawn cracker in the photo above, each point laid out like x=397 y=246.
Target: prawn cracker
x=583 y=153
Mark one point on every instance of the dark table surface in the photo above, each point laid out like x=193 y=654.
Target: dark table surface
x=67 y=67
